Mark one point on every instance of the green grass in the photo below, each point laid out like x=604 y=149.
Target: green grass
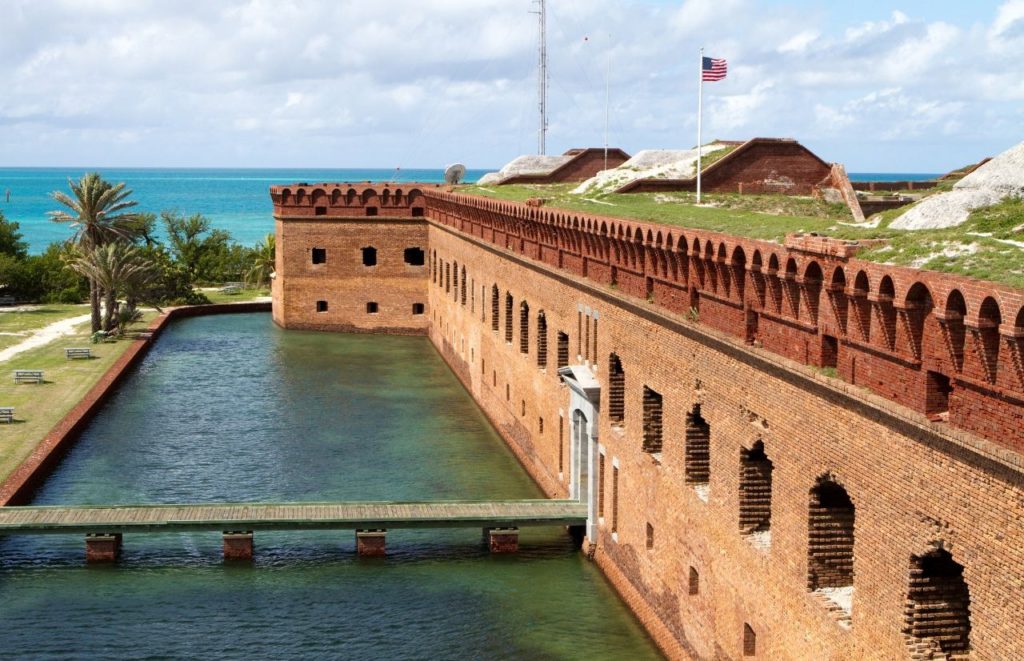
x=217 y=296
x=771 y=217
x=24 y=321
x=37 y=408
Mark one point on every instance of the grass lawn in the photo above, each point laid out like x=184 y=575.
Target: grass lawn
x=37 y=408
x=988 y=246
x=13 y=320
x=217 y=296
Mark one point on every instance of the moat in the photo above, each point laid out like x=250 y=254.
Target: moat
x=231 y=408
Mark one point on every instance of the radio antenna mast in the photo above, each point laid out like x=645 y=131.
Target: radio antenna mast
x=542 y=77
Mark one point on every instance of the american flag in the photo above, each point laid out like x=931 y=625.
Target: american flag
x=713 y=69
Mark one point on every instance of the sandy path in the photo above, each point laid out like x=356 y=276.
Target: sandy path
x=44 y=335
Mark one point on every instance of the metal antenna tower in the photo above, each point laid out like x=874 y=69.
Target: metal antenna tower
x=542 y=77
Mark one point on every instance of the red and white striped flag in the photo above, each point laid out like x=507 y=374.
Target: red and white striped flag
x=713 y=70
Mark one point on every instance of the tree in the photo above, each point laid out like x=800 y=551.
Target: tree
x=115 y=267
x=98 y=211
x=262 y=265
x=10 y=239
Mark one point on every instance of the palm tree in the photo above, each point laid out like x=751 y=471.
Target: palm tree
x=97 y=211
x=262 y=266
x=114 y=267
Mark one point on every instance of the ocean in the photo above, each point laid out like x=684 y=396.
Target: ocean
x=234 y=199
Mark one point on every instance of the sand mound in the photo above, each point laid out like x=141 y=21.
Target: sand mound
x=647 y=164
x=525 y=165
x=1001 y=177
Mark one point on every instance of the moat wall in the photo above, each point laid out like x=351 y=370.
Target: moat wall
x=771 y=443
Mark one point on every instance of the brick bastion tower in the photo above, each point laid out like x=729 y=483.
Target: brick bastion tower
x=786 y=452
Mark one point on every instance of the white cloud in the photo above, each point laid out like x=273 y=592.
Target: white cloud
x=423 y=82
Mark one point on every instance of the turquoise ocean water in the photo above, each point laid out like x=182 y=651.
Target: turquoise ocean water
x=236 y=200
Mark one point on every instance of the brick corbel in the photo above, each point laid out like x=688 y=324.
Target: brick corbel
x=975 y=327
x=945 y=317
x=1013 y=340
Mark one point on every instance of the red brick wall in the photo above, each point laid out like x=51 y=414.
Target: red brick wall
x=343 y=282
x=687 y=316
x=913 y=486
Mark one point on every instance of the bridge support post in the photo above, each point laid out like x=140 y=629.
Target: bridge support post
x=102 y=547
x=238 y=546
x=371 y=543
x=504 y=540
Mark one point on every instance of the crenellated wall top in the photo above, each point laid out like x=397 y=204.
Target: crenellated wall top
x=345 y=199
x=804 y=258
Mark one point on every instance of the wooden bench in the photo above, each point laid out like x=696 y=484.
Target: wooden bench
x=77 y=352
x=7 y=300
x=231 y=288
x=6 y=414
x=28 y=376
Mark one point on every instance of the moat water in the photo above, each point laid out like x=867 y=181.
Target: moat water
x=230 y=408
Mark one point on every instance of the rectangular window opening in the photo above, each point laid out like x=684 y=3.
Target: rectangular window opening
x=371 y=308
x=652 y=421
x=371 y=211
x=418 y=308
x=319 y=255
x=321 y=306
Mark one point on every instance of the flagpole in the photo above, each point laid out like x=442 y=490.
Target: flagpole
x=700 y=112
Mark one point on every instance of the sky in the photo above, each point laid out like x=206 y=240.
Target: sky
x=878 y=86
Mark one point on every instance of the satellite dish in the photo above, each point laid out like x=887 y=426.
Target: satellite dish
x=454 y=173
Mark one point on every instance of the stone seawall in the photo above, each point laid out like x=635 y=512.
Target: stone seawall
x=19 y=486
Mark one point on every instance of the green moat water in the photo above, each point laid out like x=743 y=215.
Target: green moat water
x=230 y=408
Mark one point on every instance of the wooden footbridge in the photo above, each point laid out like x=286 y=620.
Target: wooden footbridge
x=104 y=526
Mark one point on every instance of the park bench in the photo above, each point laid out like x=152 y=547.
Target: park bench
x=28 y=376
x=7 y=300
x=77 y=352
x=6 y=414
x=231 y=288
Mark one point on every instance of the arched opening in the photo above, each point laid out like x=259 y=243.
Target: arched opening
x=956 y=312
x=989 y=320
x=739 y=272
x=812 y=290
x=774 y=284
x=830 y=529
x=887 y=312
x=616 y=391
x=938 y=610
x=524 y=327
x=756 y=494
x=837 y=296
x=918 y=306
x=542 y=340
x=861 y=305
x=792 y=288
x=697 y=459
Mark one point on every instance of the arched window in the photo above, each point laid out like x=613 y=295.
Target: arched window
x=989 y=319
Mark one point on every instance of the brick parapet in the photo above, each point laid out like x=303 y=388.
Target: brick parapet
x=887 y=328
